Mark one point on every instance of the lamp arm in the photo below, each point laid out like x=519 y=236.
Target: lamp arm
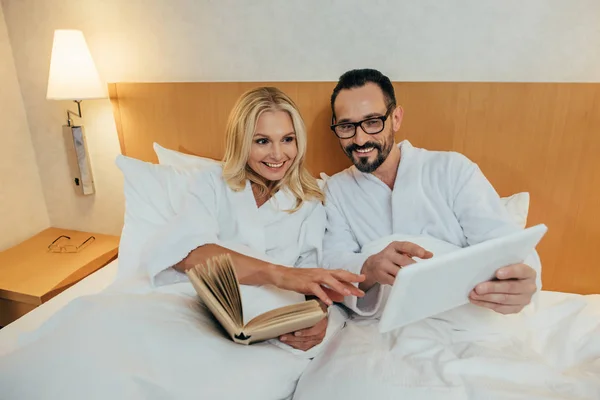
x=69 y=112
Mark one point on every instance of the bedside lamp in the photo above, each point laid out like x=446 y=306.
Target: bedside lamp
x=73 y=76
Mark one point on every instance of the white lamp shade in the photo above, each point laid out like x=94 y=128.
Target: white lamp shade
x=73 y=75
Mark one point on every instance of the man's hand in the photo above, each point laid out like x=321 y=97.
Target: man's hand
x=383 y=266
x=306 y=339
x=510 y=293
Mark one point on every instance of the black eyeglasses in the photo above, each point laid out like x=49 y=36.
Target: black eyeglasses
x=371 y=126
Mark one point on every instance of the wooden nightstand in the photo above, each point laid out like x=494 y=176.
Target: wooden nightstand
x=31 y=273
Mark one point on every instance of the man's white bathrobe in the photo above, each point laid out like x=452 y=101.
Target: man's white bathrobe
x=436 y=194
x=442 y=201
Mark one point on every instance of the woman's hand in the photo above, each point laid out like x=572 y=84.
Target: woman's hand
x=306 y=339
x=310 y=281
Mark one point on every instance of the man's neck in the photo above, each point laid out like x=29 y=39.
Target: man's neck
x=389 y=169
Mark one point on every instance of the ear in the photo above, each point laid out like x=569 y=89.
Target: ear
x=397 y=115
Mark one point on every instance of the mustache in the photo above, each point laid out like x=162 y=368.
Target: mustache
x=352 y=147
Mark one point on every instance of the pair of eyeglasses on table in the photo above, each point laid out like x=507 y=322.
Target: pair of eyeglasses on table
x=62 y=245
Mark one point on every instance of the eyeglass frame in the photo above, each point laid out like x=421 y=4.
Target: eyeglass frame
x=383 y=118
x=52 y=245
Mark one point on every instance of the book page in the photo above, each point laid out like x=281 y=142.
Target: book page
x=258 y=300
x=213 y=304
x=234 y=293
x=226 y=282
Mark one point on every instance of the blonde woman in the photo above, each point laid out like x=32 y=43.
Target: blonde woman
x=260 y=206
x=263 y=200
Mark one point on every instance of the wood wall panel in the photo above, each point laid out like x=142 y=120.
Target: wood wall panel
x=543 y=138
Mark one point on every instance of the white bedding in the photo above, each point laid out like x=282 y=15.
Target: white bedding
x=551 y=350
x=93 y=283
x=133 y=343
x=556 y=355
x=136 y=342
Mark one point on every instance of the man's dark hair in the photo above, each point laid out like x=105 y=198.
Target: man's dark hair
x=360 y=77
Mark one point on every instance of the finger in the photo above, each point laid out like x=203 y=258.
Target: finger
x=333 y=295
x=503 y=299
x=502 y=309
x=318 y=291
x=386 y=279
x=301 y=343
x=315 y=330
x=292 y=340
x=516 y=271
x=294 y=344
x=342 y=275
x=401 y=260
x=411 y=249
x=507 y=287
x=347 y=276
x=301 y=339
x=334 y=284
x=345 y=289
x=389 y=268
x=305 y=346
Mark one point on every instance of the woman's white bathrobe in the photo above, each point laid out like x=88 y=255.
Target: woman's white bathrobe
x=155 y=343
x=215 y=214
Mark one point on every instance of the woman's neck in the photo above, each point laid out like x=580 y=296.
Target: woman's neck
x=259 y=197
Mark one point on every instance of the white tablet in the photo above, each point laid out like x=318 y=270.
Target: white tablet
x=439 y=284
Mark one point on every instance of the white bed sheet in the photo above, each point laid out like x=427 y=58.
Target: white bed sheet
x=136 y=344
x=91 y=284
x=133 y=341
x=552 y=354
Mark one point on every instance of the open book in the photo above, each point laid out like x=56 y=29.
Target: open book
x=217 y=285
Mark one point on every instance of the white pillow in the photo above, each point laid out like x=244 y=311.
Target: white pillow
x=153 y=195
x=517 y=205
x=182 y=160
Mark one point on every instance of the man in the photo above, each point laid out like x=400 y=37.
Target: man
x=397 y=188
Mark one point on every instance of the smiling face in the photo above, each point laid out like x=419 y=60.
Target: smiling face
x=367 y=151
x=274 y=146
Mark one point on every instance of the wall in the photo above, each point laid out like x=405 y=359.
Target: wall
x=210 y=40
x=22 y=206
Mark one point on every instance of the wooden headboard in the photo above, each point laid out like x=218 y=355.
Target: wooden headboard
x=543 y=138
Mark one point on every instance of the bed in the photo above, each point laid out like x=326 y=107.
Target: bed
x=483 y=121
x=93 y=283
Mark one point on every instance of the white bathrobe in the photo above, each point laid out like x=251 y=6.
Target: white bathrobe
x=438 y=194
x=442 y=201
x=214 y=213
x=133 y=342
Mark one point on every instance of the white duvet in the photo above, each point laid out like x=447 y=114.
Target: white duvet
x=131 y=342
x=556 y=356
x=549 y=351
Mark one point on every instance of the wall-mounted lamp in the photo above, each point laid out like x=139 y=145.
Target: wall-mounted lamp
x=73 y=76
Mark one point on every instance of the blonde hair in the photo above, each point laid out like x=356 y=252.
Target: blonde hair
x=240 y=130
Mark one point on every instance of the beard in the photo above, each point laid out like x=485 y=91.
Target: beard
x=362 y=163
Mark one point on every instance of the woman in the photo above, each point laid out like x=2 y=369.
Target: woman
x=263 y=199
x=264 y=209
